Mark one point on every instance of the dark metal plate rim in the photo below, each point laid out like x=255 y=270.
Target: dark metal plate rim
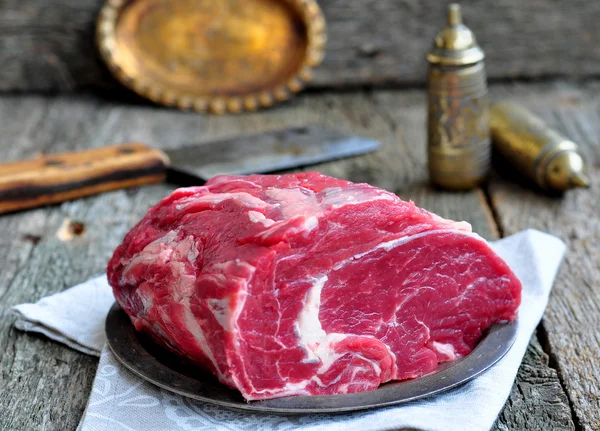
x=124 y=342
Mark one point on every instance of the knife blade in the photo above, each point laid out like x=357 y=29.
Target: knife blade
x=56 y=178
x=268 y=152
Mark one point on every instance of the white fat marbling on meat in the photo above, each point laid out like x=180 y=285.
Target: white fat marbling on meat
x=310 y=223
x=243 y=198
x=294 y=202
x=168 y=238
x=458 y=225
x=218 y=279
x=336 y=197
x=319 y=382
x=186 y=285
x=326 y=352
x=389 y=245
x=226 y=315
x=147 y=300
x=224 y=266
x=159 y=250
x=477 y=282
x=319 y=346
x=191 y=324
x=231 y=179
x=242 y=295
x=372 y=365
x=220 y=309
x=305 y=202
x=308 y=326
x=142 y=259
x=290 y=389
x=256 y=217
x=444 y=349
x=296 y=387
x=193 y=252
x=307 y=226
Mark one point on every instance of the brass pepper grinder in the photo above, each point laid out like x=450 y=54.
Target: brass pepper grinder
x=459 y=149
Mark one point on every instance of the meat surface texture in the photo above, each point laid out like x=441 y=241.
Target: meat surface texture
x=304 y=284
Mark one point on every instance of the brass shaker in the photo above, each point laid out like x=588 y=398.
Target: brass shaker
x=536 y=150
x=459 y=149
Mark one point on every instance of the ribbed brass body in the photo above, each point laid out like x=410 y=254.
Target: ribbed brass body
x=459 y=149
x=537 y=151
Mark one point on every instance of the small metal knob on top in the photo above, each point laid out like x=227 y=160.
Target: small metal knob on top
x=454 y=15
x=456 y=44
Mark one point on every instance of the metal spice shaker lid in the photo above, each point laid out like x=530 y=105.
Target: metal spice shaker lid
x=455 y=45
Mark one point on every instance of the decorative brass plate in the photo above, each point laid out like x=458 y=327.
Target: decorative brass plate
x=152 y=363
x=212 y=55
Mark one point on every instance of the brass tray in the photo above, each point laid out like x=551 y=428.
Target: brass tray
x=212 y=55
x=144 y=358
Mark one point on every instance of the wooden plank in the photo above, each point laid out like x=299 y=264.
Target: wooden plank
x=536 y=391
x=45 y=385
x=49 y=46
x=572 y=320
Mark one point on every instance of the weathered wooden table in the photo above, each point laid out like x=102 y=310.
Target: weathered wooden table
x=45 y=385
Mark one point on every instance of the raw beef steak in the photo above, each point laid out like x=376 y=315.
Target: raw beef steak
x=304 y=284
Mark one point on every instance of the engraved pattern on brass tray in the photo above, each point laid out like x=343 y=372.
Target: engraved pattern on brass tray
x=212 y=55
x=149 y=361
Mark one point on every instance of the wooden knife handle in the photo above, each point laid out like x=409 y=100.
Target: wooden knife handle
x=56 y=178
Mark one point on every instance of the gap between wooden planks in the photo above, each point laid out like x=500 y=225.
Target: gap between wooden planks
x=45 y=385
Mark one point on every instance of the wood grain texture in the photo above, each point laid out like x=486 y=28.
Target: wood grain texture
x=49 y=45
x=44 y=385
x=61 y=177
x=536 y=381
x=572 y=320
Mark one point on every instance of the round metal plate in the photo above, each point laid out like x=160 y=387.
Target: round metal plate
x=154 y=364
x=217 y=55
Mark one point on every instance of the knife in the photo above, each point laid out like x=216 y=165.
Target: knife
x=57 y=178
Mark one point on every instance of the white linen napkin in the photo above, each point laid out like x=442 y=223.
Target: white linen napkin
x=122 y=401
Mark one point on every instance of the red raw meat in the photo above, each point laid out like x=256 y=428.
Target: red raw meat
x=304 y=284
